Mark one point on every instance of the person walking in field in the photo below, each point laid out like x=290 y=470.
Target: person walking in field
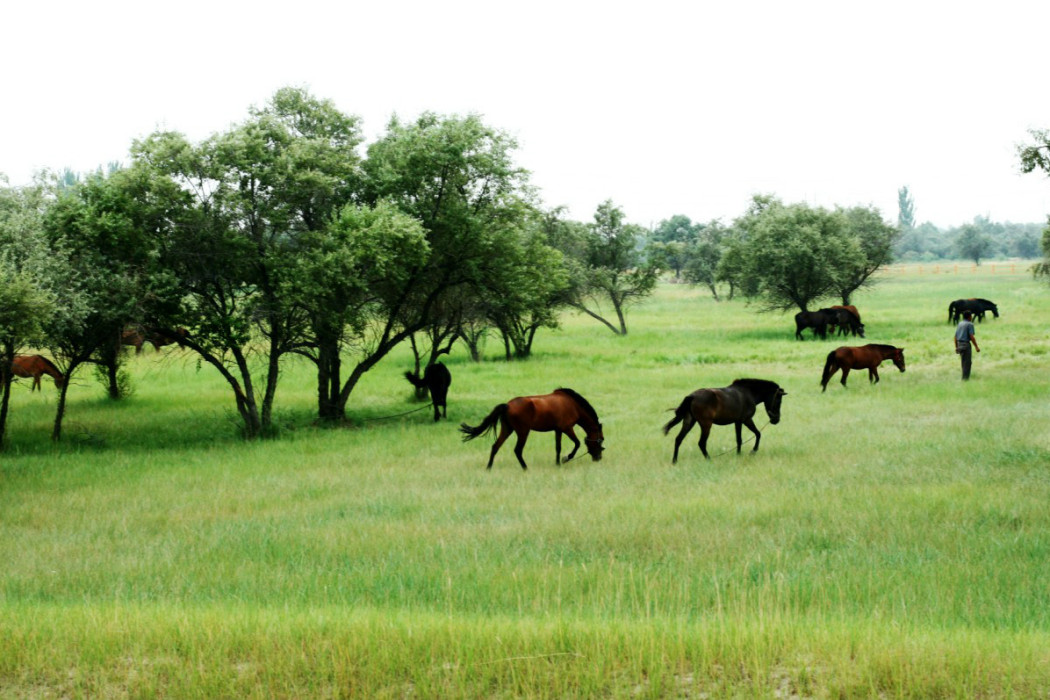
x=964 y=336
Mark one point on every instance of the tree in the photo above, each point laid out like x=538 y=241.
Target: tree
x=26 y=303
x=791 y=255
x=972 y=244
x=704 y=255
x=875 y=239
x=905 y=209
x=608 y=266
x=245 y=200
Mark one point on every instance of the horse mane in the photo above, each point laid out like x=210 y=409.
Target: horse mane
x=584 y=404
x=763 y=387
x=50 y=365
x=884 y=348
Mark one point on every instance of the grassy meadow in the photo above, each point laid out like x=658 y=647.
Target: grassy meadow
x=885 y=541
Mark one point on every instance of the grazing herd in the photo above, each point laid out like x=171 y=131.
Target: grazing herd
x=564 y=409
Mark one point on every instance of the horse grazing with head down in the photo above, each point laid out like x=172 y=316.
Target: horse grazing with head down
x=36 y=366
x=867 y=357
x=734 y=404
x=436 y=380
x=136 y=336
x=978 y=307
x=558 y=411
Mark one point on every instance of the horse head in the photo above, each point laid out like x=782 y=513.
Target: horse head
x=773 y=405
x=594 y=442
x=898 y=358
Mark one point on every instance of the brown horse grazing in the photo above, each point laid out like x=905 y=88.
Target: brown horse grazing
x=559 y=412
x=35 y=366
x=735 y=404
x=137 y=335
x=867 y=357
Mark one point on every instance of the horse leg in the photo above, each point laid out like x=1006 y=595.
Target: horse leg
x=873 y=375
x=36 y=383
x=845 y=373
x=504 y=433
x=687 y=425
x=738 y=425
x=519 y=448
x=750 y=426
x=575 y=442
x=705 y=430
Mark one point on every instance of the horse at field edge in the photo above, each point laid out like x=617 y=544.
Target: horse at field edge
x=558 y=411
x=436 y=380
x=35 y=366
x=734 y=404
x=867 y=357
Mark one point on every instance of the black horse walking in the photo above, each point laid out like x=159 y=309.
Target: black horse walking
x=735 y=404
x=436 y=379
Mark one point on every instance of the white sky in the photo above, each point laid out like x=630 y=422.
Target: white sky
x=666 y=107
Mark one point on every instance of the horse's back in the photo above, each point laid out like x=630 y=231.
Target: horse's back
x=543 y=412
x=722 y=406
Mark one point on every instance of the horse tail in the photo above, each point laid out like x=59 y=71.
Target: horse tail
x=680 y=414
x=829 y=369
x=498 y=414
x=951 y=311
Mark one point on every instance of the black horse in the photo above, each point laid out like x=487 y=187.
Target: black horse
x=978 y=307
x=436 y=379
x=735 y=404
x=817 y=320
x=846 y=321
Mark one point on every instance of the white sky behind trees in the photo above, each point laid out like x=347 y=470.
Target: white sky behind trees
x=666 y=107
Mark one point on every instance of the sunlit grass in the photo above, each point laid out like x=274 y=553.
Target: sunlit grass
x=885 y=540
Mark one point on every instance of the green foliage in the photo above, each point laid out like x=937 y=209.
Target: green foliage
x=606 y=265
x=792 y=255
x=972 y=244
x=905 y=209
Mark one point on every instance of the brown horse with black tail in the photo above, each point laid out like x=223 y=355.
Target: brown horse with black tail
x=867 y=357
x=36 y=366
x=734 y=404
x=559 y=411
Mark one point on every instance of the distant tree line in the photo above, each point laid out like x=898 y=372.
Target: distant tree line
x=782 y=256
x=281 y=237
x=978 y=240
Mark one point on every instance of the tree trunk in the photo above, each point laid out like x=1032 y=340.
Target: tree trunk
x=5 y=398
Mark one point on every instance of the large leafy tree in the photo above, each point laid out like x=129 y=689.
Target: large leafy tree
x=457 y=178
x=704 y=255
x=972 y=243
x=248 y=196
x=26 y=302
x=607 y=268
x=875 y=240
x=791 y=255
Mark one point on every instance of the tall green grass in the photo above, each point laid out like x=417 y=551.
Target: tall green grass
x=886 y=540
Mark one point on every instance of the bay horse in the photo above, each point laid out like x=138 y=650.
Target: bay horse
x=867 y=357
x=734 y=404
x=136 y=336
x=848 y=320
x=436 y=379
x=36 y=366
x=558 y=411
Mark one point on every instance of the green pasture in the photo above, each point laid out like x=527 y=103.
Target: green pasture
x=885 y=541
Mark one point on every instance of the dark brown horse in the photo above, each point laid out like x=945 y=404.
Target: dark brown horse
x=36 y=366
x=867 y=357
x=436 y=380
x=734 y=404
x=137 y=335
x=559 y=412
